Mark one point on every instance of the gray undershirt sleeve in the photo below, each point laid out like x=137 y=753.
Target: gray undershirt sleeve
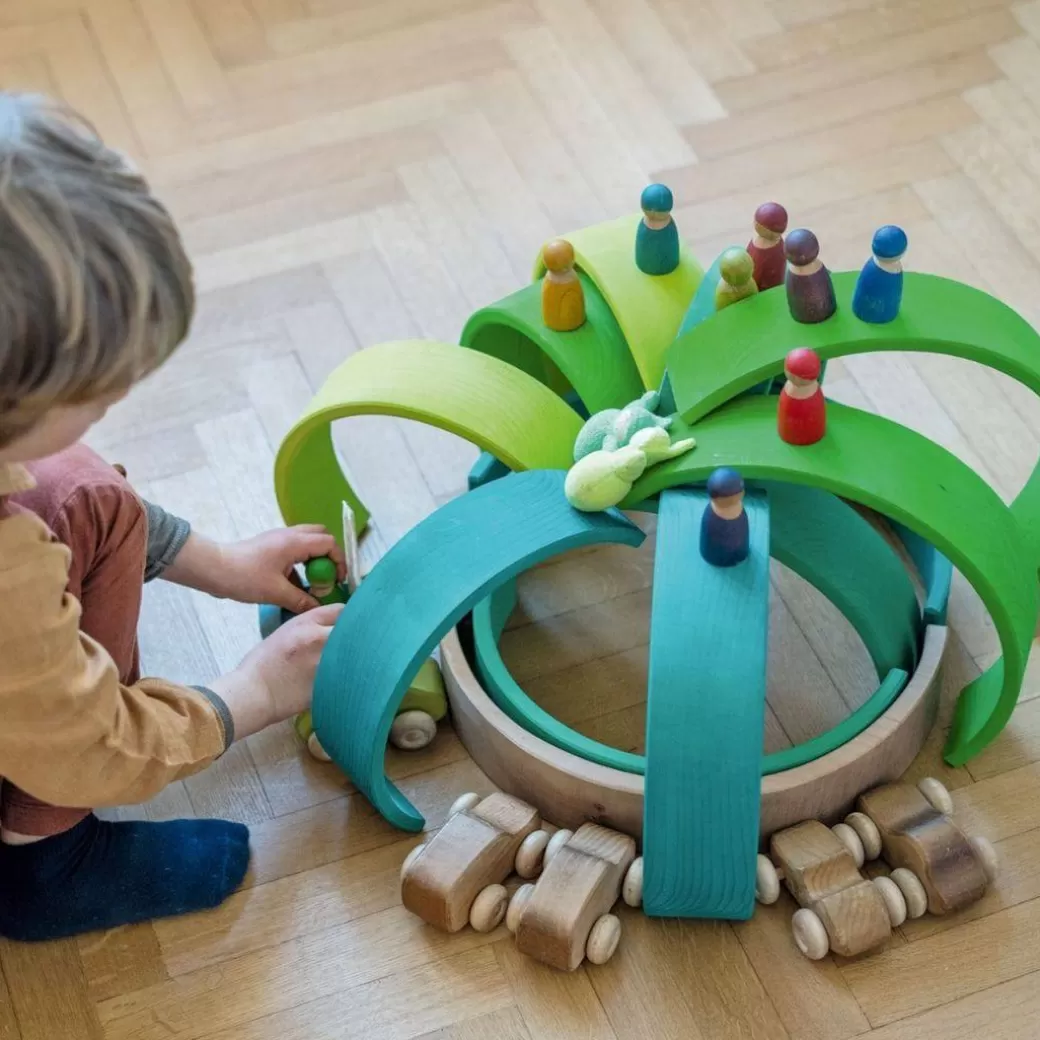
x=166 y=537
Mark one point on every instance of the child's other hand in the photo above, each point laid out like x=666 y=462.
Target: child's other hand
x=261 y=569
x=275 y=680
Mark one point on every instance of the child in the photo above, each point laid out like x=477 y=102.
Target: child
x=95 y=293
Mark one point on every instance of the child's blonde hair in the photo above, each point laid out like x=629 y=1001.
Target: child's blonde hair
x=95 y=288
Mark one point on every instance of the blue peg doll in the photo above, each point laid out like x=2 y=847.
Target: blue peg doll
x=657 y=240
x=879 y=288
x=725 y=539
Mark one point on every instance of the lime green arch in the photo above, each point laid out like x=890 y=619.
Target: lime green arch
x=496 y=406
x=897 y=472
x=594 y=359
x=648 y=308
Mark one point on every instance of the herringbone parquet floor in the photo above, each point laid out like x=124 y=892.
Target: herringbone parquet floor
x=351 y=171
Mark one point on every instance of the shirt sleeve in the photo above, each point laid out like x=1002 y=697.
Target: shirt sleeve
x=72 y=734
x=166 y=537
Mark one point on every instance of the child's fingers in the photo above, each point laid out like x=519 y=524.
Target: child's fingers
x=327 y=615
x=306 y=545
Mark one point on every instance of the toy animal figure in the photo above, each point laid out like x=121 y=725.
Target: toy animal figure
x=456 y=877
x=735 y=278
x=801 y=416
x=565 y=916
x=810 y=292
x=840 y=909
x=879 y=288
x=563 y=299
x=612 y=428
x=725 y=537
x=657 y=239
x=602 y=479
x=766 y=249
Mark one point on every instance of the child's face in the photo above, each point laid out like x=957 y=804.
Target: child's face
x=60 y=428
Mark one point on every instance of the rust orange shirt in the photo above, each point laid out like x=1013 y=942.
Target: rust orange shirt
x=70 y=732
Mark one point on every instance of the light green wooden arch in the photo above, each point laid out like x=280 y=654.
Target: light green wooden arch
x=903 y=475
x=499 y=408
x=649 y=308
x=593 y=359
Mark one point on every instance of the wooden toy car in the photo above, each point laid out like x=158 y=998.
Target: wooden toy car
x=456 y=877
x=566 y=917
x=935 y=865
x=840 y=909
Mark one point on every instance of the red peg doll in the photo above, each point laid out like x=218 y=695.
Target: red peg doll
x=802 y=412
x=767 y=247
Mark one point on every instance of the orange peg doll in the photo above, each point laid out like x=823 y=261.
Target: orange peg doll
x=802 y=411
x=563 y=299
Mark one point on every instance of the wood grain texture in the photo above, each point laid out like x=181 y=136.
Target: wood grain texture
x=706 y=698
x=352 y=172
x=523 y=519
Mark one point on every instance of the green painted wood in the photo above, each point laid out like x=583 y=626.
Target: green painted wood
x=705 y=712
x=935 y=570
x=594 y=359
x=648 y=308
x=500 y=409
x=868 y=712
x=721 y=358
x=702 y=306
x=819 y=537
x=841 y=554
x=900 y=474
x=422 y=587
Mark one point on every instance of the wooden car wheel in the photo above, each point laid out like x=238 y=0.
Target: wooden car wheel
x=488 y=908
x=529 y=856
x=520 y=899
x=463 y=802
x=895 y=904
x=987 y=856
x=410 y=859
x=767 y=881
x=632 y=886
x=913 y=892
x=556 y=842
x=412 y=730
x=809 y=935
x=937 y=795
x=867 y=832
x=603 y=939
x=850 y=839
x=316 y=750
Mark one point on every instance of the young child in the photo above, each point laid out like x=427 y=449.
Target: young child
x=95 y=293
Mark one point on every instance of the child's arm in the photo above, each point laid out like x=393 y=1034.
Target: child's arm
x=73 y=735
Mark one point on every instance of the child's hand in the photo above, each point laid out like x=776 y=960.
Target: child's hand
x=275 y=680
x=261 y=569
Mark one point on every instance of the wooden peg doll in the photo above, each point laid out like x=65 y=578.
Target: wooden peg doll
x=879 y=288
x=810 y=292
x=563 y=299
x=725 y=538
x=735 y=281
x=657 y=239
x=766 y=249
x=802 y=409
x=322 y=578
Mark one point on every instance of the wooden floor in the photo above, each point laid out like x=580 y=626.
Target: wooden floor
x=351 y=171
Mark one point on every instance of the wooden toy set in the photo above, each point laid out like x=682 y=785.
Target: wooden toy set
x=625 y=378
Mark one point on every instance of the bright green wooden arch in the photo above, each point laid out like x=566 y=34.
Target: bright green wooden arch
x=746 y=343
x=901 y=474
x=594 y=359
x=819 y=537
x=422 y=587
x=649 y=308
x=499 y=408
